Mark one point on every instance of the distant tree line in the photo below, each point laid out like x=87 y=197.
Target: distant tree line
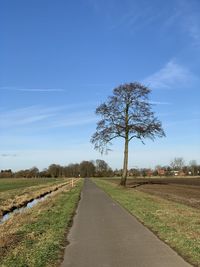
x=98 y=168
x=177 y=167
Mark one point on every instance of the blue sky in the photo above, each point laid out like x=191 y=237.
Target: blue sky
x=60 y=59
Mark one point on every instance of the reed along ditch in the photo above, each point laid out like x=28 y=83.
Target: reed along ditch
x=7 y=214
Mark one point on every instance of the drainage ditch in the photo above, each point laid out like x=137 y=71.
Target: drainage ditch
x=30 y=204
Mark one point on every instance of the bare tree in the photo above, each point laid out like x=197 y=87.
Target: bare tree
x=87 y=169
x=193 y=165
x=54 y=170
x=102 y=168
x=177 y=164
x=127 y=114
x=33 y=172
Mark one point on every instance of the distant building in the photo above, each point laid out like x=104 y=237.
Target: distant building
x=149 y=173
x=178 y=173
x=161 y=172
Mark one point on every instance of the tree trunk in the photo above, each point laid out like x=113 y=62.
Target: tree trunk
x=125 y=166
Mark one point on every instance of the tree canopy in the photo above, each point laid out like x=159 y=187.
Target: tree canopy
x=127 y=114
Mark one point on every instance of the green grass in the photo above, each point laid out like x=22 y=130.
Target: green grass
x=21 y=183
x=37 y=238
x=176 y=224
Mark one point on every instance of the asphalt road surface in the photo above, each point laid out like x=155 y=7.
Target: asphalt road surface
x=106 y=235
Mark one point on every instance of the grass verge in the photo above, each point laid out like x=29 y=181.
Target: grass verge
x=37 y=238
x=176 y=224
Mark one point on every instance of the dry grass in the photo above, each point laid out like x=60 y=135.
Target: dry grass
x=35 y=238
x=17 y=198
x=175 y=223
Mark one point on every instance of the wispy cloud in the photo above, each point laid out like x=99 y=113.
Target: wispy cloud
x=183 y=121
x=172 y=18
x=191 y=19
x=75 y=119
x=186 y=17
x=172 y=75
x=193 y=27
x=95 y=4
x=36 y=90
x=46 y=118
x=128 y=19
x=160 y=103
x=136 y=19
x=24 y=116
x=127 y=15
x=99 y=84
x=8 y=155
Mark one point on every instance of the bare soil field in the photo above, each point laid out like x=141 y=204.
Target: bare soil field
x=181 y=190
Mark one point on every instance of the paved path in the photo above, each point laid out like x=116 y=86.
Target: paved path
x=106 y=235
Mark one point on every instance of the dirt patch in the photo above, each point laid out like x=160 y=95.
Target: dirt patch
x=7 y=242
x=181 y=190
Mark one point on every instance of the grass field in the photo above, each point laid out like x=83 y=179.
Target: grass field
x=177 y=224
x=16 y=192
x=36 y=238
x=21 y=183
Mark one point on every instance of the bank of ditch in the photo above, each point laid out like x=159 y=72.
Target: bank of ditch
x=37 y=237
x=21 y=199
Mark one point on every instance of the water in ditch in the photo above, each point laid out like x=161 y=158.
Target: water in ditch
x=23 y=209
